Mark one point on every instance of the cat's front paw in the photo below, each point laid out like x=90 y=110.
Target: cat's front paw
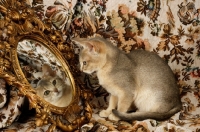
x=113 y=117
x=104 y=113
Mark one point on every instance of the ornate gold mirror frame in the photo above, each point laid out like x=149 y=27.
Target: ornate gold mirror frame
x=18 y=22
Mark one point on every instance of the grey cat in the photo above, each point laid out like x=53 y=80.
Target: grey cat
x=140 y=78
x=53 y=89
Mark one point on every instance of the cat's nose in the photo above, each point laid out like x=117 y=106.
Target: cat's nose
x=55 y=90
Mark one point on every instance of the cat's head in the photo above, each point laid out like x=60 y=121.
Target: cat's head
x=92 y=56
x=50 y=87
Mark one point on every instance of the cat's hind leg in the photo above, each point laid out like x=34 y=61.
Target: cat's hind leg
x=112 y=105
x=124 y=103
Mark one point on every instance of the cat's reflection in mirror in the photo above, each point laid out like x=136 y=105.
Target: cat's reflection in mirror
x=53 y=89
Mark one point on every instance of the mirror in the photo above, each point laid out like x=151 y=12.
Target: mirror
x=34 y=55
x=45 y=73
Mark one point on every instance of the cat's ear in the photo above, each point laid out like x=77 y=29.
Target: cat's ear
x=79 y=42
x=47 y=71
x=92 y=46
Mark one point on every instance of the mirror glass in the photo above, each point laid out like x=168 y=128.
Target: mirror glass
x=45 y=72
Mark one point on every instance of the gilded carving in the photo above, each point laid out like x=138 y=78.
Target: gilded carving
x=18 y=22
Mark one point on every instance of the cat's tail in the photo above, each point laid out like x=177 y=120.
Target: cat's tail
x=146 y=115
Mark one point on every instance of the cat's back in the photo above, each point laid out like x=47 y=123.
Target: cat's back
x=151 y=67
x=147 y=59
x=142 y=56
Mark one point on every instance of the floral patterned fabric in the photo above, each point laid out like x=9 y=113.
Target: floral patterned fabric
x=32 y=55
x=170 y=28
x=9 y=107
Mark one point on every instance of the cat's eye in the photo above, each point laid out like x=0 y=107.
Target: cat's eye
x=54 y=82
x=47 y=92
x=84 y=62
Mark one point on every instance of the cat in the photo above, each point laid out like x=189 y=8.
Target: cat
x=139 y=78
x=53 y=89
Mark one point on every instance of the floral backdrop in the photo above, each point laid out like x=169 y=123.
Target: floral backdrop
x=32 y=55
x=171 y=28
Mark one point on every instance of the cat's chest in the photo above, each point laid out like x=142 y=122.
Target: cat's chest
x=107 y=82
x=104 y=79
